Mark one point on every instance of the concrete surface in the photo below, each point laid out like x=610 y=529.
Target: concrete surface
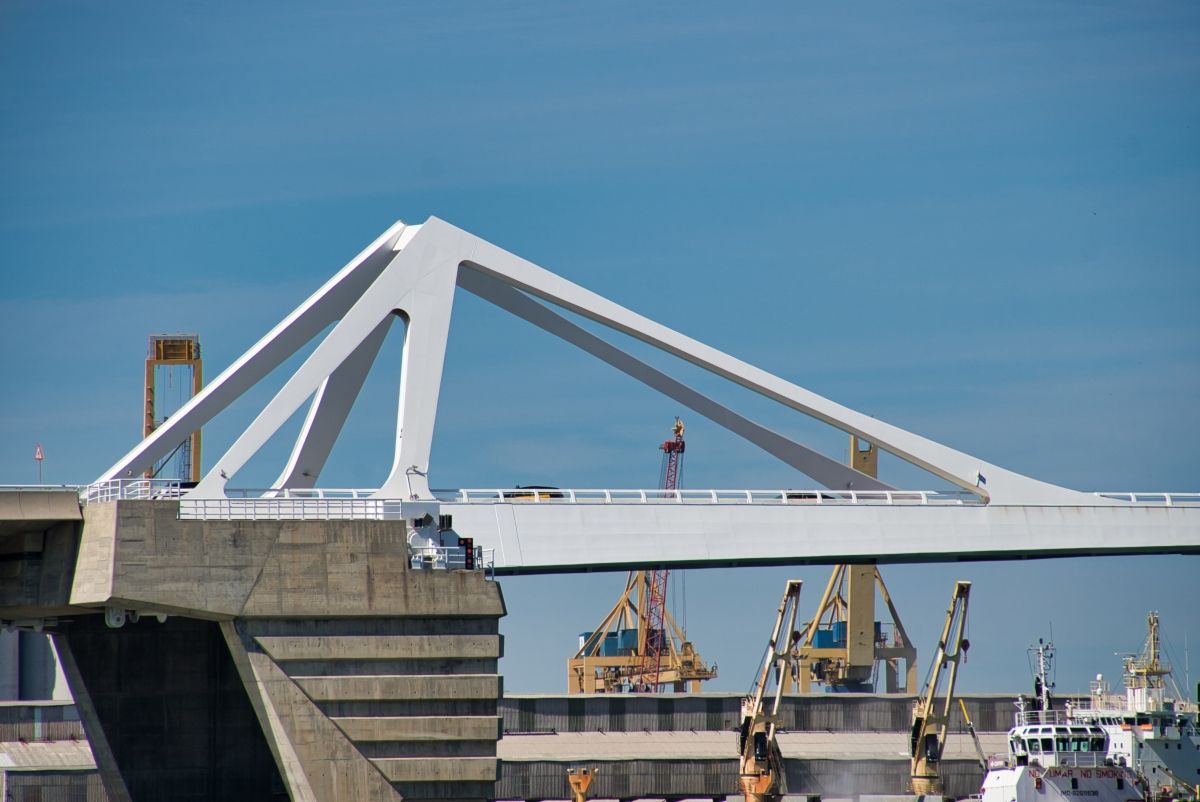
x=300 y=659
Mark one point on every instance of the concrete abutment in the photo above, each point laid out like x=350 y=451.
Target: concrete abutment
x=301 y=659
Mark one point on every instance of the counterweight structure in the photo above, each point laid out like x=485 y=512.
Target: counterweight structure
x=639 y=646
x=173 y=351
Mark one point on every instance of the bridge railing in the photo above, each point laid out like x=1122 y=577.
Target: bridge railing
x=139 y=489
x=359 y=504
x=637 y=496
x=1164 y=499
x=284 y=507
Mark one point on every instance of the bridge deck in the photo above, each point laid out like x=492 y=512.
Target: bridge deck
x=565 y=531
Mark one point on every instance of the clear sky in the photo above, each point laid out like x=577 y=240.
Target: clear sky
x=976 y=221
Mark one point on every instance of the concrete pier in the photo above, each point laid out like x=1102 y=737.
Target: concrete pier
x=260 y=659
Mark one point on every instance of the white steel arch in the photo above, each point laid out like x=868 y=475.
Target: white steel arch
x=412 y=271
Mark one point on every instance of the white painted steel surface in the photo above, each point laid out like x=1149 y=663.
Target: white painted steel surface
x=564 y=530
x=548 y=537
x=412 y=272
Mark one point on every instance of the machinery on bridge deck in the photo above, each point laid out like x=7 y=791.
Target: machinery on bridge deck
x=931 y=712
x=639 y=646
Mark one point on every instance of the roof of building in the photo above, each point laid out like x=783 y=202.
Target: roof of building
x=572 y=746
x=20 y=755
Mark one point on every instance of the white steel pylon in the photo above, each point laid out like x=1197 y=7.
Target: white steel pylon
x=411 y=272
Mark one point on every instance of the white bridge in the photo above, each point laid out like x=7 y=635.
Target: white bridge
x=411 y=273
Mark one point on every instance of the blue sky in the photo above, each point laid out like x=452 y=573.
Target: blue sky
x=975 y=221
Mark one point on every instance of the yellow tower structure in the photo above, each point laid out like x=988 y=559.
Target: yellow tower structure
x=842 y=643
x=173 y=350
x=609 y=660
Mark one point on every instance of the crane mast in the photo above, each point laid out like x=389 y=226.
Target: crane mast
x=638 y=646
x=931 y=713
x=655 y=581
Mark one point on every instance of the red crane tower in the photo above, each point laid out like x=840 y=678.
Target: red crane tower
x=656 y=579
x=639 y=646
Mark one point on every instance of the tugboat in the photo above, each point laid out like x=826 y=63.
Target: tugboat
x=1052 y=758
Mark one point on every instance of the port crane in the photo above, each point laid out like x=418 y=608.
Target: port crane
x=639 y=646
x=760 y=763
x=843 y=645
x=931 y=711
x=171 y=351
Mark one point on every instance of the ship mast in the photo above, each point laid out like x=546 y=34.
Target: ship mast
x=1041 y=682
x=1145 y=674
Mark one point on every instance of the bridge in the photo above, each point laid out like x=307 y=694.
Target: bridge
x=568 y=530
x=343 y=643
x=411 y=273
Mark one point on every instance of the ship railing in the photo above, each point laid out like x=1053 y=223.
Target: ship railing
x=1026 y=717
x=1157 y=499
x=1098 y=701
x=1081 y=759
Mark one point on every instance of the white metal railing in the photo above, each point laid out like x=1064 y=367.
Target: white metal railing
x=1164 y=499
x=771 y=497
x=289 y=508
x=138 y=489
x=1027 y=717
x=358 y=503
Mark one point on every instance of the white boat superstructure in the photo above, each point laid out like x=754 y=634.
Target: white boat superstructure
x=1144 y=744
x=1149 y=730
x=1051 y=758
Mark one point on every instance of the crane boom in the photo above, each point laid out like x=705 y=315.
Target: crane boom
x=760 y=765
x=931 y=714
x=983 y=761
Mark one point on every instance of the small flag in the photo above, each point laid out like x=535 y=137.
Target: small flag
x=980 y=479
x=38 y=454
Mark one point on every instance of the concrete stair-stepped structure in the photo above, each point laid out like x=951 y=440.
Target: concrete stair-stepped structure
x=293 y=659
x=417 y=698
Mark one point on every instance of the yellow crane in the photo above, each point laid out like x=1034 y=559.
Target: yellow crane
x=843 y=644
x=979 y=753
x=580 y=780
x=931 y=712
x=172 y=351
x=610 y=660
x=760 y=764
